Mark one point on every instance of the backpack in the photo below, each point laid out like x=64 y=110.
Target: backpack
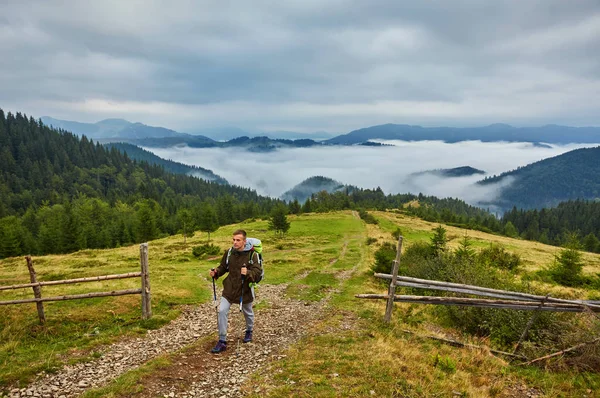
x=253 y=245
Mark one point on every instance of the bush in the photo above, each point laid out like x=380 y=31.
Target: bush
x=370 y=241
x=502 y=326
x=397 y=233
x=568 y=264
x=367 y=217
x=207 y=248
x=384 y=256
x=497 y=256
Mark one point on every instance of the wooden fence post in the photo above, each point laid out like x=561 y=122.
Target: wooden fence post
x=392 y=288
x=530 y=323
x=146 y=295
x=37 y=291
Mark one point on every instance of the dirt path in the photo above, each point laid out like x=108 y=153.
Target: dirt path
x=195 y=371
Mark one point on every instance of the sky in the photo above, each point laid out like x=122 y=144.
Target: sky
x=387 y=167
x=305 y=65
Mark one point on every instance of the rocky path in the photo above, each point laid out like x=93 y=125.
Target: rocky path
x=195 y=372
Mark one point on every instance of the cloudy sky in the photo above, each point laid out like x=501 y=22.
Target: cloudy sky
x=303 y=65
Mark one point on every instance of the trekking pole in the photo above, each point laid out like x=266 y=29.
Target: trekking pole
x=242 y=296
x=214 y=290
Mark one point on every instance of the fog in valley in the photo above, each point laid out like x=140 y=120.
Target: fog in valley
x=388 y=167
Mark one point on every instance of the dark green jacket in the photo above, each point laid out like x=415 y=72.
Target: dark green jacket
x=232 y=285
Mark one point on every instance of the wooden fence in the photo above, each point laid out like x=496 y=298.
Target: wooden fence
x=502 y=299
x=39 y=300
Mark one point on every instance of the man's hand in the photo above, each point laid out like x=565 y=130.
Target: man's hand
x=212 y=272
x=244 y=270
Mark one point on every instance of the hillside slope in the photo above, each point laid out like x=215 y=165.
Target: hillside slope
x=139 y=154
x=325 y=343
x=572 y=175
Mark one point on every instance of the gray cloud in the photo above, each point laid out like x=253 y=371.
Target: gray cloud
x=305 y=65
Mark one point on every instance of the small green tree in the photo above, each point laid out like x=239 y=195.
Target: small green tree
x=208 y=220
x=568 y=264
x=439 y=240
x=510 y=230
x=591 y=243
x=186 y=221
x=295 y=207
x=278 y=221
x=464 y=249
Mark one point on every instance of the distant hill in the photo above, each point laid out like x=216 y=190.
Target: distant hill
x=572 y=175
x=110 y=130
x=137 y=153
x=229 y=133
x=312 y=185
x=255 y=144
x=495 y=132
x=462 y=171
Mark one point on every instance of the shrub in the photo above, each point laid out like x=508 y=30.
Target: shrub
x=502 y=326
x=367 y=217
x=397 y=233
x=371 y=240
x=384 y=256
x=497 y=256
x=207 y=248
x=568 y=264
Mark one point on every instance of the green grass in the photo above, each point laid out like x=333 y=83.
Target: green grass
x=351 y=352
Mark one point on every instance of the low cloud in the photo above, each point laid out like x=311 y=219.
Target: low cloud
x=389 y=167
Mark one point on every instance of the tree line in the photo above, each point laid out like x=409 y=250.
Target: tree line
x=61 y=193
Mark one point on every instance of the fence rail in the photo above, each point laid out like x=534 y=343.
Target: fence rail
x=145 y=291
x=503 y=300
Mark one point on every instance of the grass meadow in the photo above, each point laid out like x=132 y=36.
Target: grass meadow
x=349 y=352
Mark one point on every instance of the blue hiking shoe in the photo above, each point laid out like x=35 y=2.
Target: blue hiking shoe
x=220 y=347
x=248 y=336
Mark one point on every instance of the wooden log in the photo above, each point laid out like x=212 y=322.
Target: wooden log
x=78 y=280
x=475 y=302
x=37 y=291
x=460 y=344
x=523 y=296
x=392 y=289
x=146 y=294
x=74 y=296
x=457 y=290
x=578 y=346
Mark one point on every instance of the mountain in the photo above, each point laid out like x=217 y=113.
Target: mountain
x=62 y=193
x=494 y=132
x=572 y=175
x=110 y=130
x=255 y=144
x=310 y=186
x=462 y=171
x=139 y=154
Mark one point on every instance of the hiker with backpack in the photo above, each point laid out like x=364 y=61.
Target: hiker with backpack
x=243 y=264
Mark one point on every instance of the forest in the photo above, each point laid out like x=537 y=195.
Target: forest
x=61 y=193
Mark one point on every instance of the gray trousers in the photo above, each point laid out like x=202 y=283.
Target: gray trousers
x=224 y=314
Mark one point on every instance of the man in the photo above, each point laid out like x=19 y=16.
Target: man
x=243 y=265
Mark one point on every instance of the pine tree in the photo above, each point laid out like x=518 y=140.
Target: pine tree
x=208 y=220
x=278 y=221
x=568 y=266
x=439 y=240
x=591 y=243
x=146 y=227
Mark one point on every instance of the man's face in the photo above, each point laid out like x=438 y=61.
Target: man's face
x=239 y=242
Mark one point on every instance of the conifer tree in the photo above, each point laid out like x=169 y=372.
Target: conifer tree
x=208 y=220
x=278 y=221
